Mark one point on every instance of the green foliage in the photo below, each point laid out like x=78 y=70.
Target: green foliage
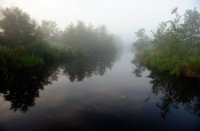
x=175 y=47
x=23 y=44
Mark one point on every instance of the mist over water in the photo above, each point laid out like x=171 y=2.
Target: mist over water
x=122 y=18
x=99 y=65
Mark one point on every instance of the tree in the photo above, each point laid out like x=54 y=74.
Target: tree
x=18 y=28
x=50 y=32
x=191 y=27
x=142 y=41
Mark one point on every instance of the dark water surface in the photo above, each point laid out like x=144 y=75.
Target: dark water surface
x=106 y=97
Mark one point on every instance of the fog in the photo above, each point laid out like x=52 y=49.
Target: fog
x=99 y=65
x=121 y=17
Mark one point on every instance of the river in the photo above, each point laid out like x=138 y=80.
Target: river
x=115 y=99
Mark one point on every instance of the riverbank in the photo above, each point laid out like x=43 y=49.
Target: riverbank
x=174 y=47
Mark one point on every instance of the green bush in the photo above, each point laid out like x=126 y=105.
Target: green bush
x=175 y=47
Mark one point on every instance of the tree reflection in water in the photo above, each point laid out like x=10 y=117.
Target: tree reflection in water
x=21 y=87
x=85 y=67
x=175 y=91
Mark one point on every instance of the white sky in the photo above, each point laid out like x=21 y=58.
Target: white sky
x=122 y=17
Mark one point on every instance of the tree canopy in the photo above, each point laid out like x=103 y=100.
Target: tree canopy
x=18 y=28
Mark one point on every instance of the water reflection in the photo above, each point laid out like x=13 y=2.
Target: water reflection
x=140 y=68
x=85 y=67
x=21 y=87
x=175 y=92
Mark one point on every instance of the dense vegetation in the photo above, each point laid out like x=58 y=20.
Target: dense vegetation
x=25 y=45
x=22 y=44
x=175 y=47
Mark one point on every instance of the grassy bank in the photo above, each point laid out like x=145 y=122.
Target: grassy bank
x=175 y=47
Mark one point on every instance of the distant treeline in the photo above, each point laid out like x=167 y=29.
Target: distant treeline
x=25 y=44
x=175 y=46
